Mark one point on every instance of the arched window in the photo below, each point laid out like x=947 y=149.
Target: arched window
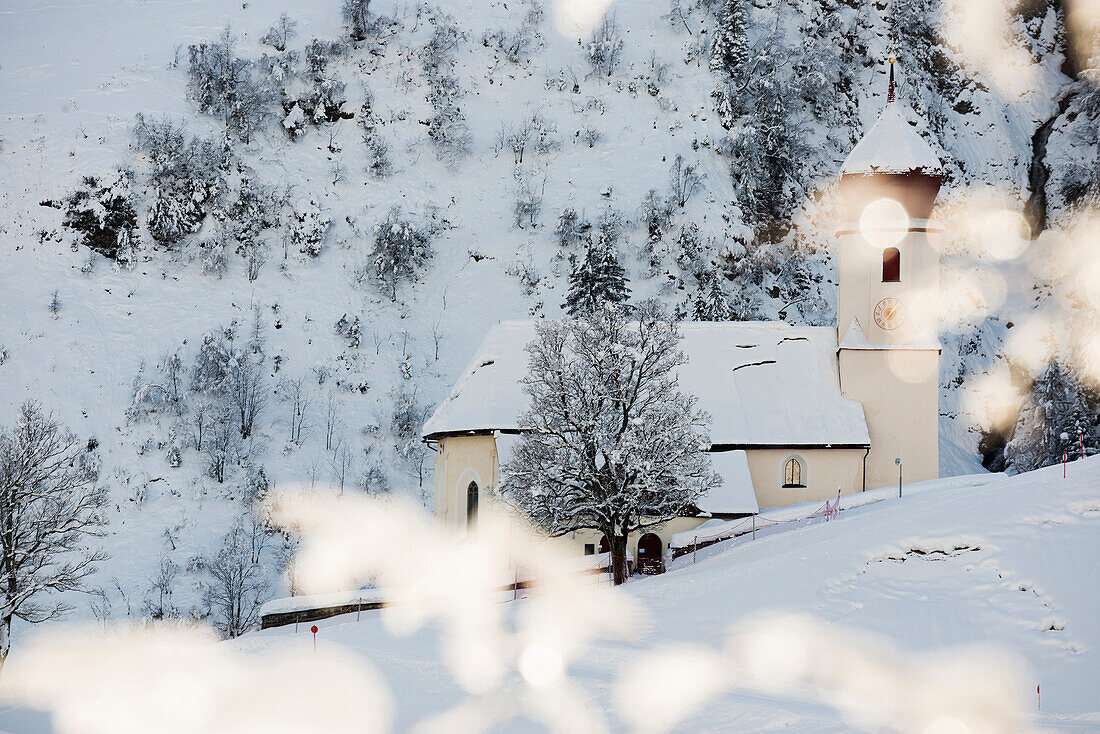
x=792 y=474
x=891 y=265
x=471 y=506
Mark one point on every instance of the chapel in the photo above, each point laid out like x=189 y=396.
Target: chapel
x=798 y=413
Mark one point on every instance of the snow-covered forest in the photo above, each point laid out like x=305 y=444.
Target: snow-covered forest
x=251 y=246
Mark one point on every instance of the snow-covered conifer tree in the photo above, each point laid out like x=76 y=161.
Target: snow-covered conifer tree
x=598 y=279
x=711 y=302
x=729 y=49
x=1057 y=415
x=610 y=443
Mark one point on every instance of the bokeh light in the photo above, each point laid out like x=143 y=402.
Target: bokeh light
x=884 y=223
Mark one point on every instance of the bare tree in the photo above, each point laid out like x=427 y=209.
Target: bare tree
x=332 y=420
x=172 y=368
x=299 y=399
x=49 y=506
x=222 y=440
x=279 y=34
x=200 y=420
x=356 y=18
x=684 y=180
x=238 y=584
x=610 y=443
x=244 y=385
x=158 y=601
x=340 y=463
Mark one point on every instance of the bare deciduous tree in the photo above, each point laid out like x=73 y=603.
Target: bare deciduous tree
x=684 y=180
x=332 y=420
x=299 y=399
x=49 y=507
x=610 y=443
x=280 y=33
x=244 y=385
x=222 y=440
x=341 y=463
x=238 y=584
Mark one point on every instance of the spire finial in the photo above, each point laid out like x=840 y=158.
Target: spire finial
x=890 y=95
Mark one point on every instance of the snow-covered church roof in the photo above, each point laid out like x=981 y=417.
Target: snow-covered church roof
x=892 y=145
x=762 y=383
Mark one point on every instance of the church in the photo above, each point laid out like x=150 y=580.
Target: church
x=798 y=413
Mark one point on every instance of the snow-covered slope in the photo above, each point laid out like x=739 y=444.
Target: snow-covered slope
x=987 y=589
x=73 y=76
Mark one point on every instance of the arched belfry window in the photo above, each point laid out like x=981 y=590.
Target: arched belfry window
x=471 y=506
x=792 y=474
x=891 y=265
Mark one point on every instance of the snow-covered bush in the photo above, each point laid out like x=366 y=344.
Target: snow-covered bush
x=356 y=18
x=350 y=330
x=185 y=175
x=447 y=126
x=211 y=366
x=281 y=32
x=319 y=53
x=222 y=84
x=515 y=45
x=379 y=164
x=401 y=249
x=571 y=229
x=213 y=259
x=103 y=214
x=408 y=416
x=605 y=48
x=309 y=226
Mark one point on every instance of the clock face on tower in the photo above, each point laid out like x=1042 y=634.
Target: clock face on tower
x=889 y=313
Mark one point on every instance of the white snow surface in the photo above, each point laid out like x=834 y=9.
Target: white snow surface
x=1010 y=563
x=761 y=383
x=735 y=494
x=892 y=145
x=1032 y=545
x=855 y=338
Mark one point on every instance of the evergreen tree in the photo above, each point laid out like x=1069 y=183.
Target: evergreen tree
x=598 y=279
x=730 y=48
x=711 y=301
x=1058 y=416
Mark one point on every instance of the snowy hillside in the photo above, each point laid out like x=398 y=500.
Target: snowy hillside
x=352 y=355
x=939 y=612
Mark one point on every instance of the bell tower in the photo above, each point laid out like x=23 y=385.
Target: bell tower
x=888 y=294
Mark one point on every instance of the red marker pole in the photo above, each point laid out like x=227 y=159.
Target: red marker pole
x=313 y=629
x=1038 y=699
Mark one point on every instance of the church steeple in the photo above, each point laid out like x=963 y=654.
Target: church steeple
x=888 y=291
x=890 y=95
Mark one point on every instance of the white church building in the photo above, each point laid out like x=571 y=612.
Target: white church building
x=797 y=412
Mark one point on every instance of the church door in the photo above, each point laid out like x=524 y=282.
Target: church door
x=651 y=554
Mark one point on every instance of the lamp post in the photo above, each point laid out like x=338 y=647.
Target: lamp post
x=898 y=462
